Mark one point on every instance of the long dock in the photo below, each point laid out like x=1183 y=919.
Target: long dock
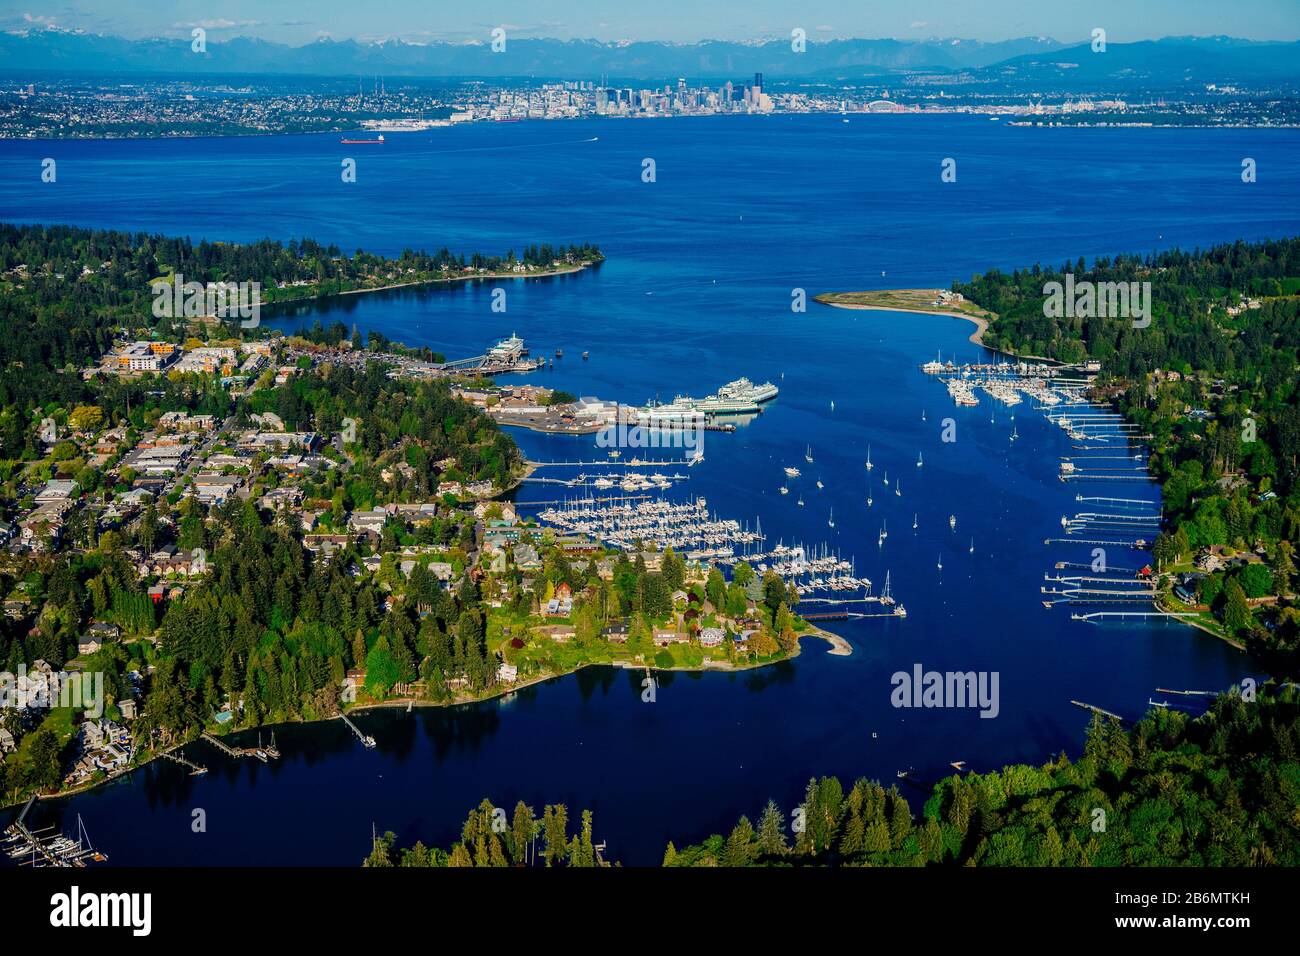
x=259 y=752
x=365 y=739
x=1095 y=709
x=195 y=769
x=1103 y=543
x=1094 y=615
x=610 y=463
x=1118 y=501
x=47 y=847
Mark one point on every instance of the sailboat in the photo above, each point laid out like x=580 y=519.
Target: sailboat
x=923 y=414
x=807 y=455
x=832 y=404
x=952 y=522
x=800 y=501
x=972 y=545
x=831 y=520
x=886 y=478
x=913 y=521
x=898 y=489
x=919 y=462
x=941 y=562
x=785 y=490
x=869 y=464
x=1014 y=433
x=869 y=498
x=819 y=484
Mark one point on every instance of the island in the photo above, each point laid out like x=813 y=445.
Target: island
x=218 y=529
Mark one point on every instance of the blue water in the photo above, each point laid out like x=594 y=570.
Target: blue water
x=696 y=291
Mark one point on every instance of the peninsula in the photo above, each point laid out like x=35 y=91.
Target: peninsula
x=924 y=301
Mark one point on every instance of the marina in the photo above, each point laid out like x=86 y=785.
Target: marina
x=800 y=718
x=47 y=846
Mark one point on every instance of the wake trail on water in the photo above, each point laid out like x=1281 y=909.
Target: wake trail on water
x=514 y=146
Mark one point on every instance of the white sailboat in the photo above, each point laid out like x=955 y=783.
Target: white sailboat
x=919 y=462
x=869 y=498
x=831 y=520
x=785 y=490
x=941 y=562
x=972 y=545
x=807 y=455
x=869 y=464
x=1014 y=433
x=914 y=521
x=898 y=489
x=886 y=478
x=800 y=501
x=819 y=484
x=952 y=522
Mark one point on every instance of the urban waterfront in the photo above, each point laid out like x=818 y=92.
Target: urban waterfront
x=696 y=291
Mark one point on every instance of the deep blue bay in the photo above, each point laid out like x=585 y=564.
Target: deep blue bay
x=696 y=291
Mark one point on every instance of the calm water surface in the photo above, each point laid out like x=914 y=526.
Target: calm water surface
x=696 y=291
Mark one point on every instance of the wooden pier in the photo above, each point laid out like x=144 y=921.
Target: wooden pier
x=47 y=847
x=195 y=769
x=1096 y=710
x=366 y=739
x=1097 y=541
x=259 y=752
x=1095 y=615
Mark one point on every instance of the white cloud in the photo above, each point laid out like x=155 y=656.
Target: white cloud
x=219 y=24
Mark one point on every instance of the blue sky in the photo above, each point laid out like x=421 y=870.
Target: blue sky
x=299 y=21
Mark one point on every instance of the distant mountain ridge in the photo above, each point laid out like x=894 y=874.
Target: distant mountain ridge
x=1173 y=60
x=65 y=50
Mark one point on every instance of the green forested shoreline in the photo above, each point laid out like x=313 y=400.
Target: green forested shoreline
x=1215 y=380
x=1220 y=790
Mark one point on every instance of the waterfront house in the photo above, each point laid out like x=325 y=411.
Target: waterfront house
x=616 y=633
x=93 y=734
x=507 y=673
x=665 y=637
x=711 y=636
x=353 y=681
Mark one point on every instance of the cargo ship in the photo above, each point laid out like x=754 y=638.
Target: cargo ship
x=362 y=142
